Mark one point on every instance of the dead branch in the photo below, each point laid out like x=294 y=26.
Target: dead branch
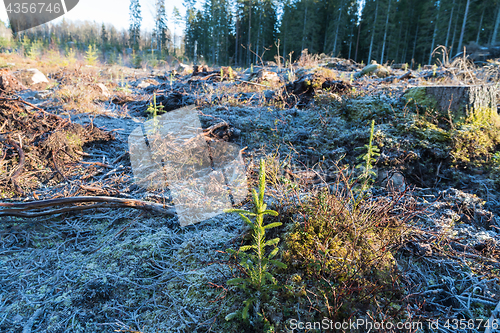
x=20 y=100
x=29 y=209
x=212 y=128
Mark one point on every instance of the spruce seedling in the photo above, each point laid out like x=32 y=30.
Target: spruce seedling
x=153 y=109
x=91 y=56
x=259 y=281
x=369 y=158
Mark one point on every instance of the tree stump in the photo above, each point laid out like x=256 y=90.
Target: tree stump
x=457 y=103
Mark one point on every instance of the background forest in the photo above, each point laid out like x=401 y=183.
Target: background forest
x=242 y=32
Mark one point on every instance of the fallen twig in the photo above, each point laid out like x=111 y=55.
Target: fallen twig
x=24 y=209
x=255 y=84
x=19 y=99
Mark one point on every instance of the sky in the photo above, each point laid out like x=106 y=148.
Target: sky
x=112 y=11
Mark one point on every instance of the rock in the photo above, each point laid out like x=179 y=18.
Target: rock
x=392 y=180
x=457 y=102
x=33 y=78
x=374 y=69
x=9 y=83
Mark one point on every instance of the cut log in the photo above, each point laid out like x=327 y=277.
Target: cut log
x=456 y=102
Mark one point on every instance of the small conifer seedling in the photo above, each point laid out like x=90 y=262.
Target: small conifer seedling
x=259 y=281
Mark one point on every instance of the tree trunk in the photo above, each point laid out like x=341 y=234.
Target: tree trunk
x=249 y=33
x=259 y=29
x=449 y=25
x=415 y=42
x=480 y=26
x=350 y=40
x=455 y=31
x=373 y=34
x=284 y=39
x=385 y=32
x=407 y=33
x=399 y=38
x=304 y=30
x=434 y=35
x=357 y=43
x=495 y=30
x=337 y=30
x=457 y=102
x=236 y=45
x=464 y=23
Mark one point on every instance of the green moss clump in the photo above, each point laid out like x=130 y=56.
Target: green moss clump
x=426 y=130
x=418 y=97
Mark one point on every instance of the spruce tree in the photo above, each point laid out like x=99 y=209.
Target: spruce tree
x=160 y=30
x=135 y=23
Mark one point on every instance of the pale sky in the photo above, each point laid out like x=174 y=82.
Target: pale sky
x=114 y=12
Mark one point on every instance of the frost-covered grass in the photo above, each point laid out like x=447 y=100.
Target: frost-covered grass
x=115 y=269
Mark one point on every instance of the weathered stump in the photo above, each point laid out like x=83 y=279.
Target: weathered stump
x=456 y=102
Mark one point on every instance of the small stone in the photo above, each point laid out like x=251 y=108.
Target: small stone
x=32 y=78
x=374 y=69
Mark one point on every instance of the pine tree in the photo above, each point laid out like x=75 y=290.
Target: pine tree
x=385 y=32
x=135 y=23
x=177 y=19
x=160 y=29
x=464 y=24
x=104 y=37
x=190 y=32
x=495 y=29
